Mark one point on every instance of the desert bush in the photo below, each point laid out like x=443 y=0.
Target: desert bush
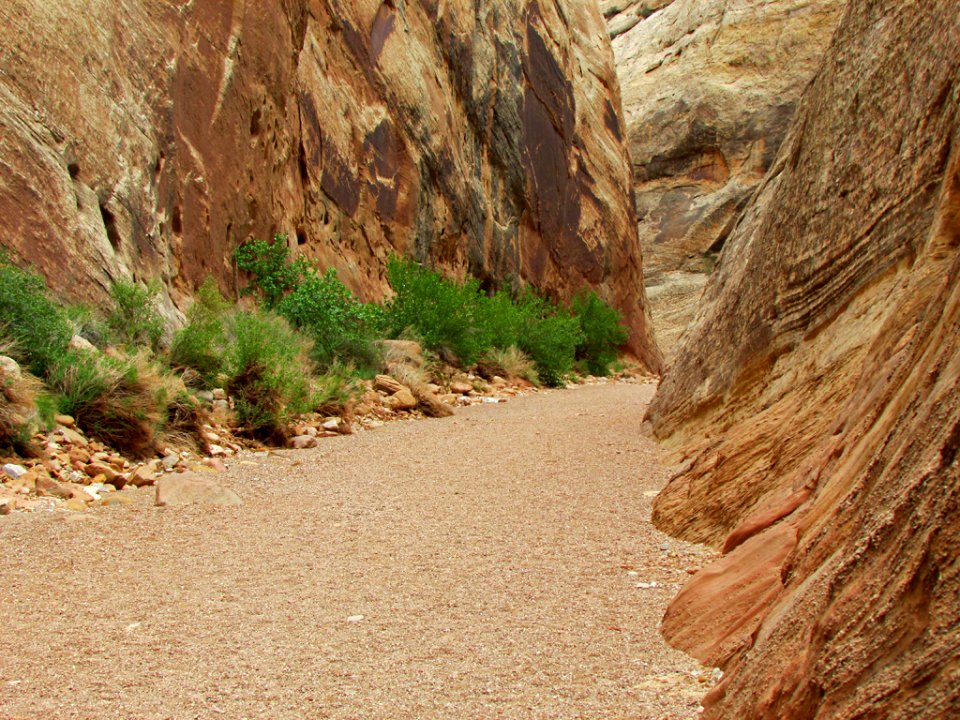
x=274 y=274
x=201 y=344
x=134 y=319
x=268 y=371
x=447 y=316
x=510 y=363
x=335 y=390
x=118 y=399
x=343 y=329
x=550 y=336
x=37 y=326
x=601 y=332
x=19 y=392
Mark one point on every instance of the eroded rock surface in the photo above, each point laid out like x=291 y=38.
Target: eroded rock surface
x=816 y=398
x=148 y=139
x=709 y=90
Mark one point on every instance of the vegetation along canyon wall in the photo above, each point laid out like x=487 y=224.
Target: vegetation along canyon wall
x=148 y=139
x=816 y=398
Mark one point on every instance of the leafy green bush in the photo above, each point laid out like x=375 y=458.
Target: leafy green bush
x=134 y=320
x=550 y=336
x=444 y=314
x=602 y=333
x=343 y=329
x=269 y=372
x=202 y=343
x=37 y=326
x=274 y=275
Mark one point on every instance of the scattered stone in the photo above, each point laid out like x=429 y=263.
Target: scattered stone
x=170 y=461
x=65 y=420
x=6 y=505
x=95 y=469
x=647 y=585
x=302 y=442
x=190 y=488
x=50 y=487
x=221 y=407
x=14 y=471
x=217 y=451
x=355 y=618
x=433 y=406
x=10 y=367
x=332 y=425
x=73 y=437
x=205 y=396
x=75 y=505
x=215 y=464
x=460 y=387
x=142 y=476
x=80 y=343
x=388 y=384
x=403 y=399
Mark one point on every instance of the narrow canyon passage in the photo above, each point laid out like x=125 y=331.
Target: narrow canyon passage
x=499 y=563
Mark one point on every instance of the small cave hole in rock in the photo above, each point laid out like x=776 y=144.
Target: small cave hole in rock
x=176 y=221
x=255 y=124
x=110 y=223
x=74 y=170
x=301 y=236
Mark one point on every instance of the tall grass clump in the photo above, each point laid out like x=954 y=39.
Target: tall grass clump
x=119 y=399
x=201 y=344
x=38 y=327
x=268 y=371
x=601 y=332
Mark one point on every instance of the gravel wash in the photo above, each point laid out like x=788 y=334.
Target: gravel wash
x=497 y=564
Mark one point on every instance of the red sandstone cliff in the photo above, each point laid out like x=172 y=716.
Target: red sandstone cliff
x=148 y=139
x=817 y=398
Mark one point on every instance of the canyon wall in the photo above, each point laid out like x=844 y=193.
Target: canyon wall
x=148 y=139
x=816 y=398
x=709 y=90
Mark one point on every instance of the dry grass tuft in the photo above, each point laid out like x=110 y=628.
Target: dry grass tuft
x=18 y=409
x=510 y=364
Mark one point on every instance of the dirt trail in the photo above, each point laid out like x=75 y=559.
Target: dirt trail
x=494 y=557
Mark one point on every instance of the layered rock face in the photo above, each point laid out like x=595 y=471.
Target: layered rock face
x=817 y=398
x=709 y=90
x=149 y=139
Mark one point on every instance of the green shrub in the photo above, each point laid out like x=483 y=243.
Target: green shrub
x=445 y=315
x=202 y=343
x=269 y=372
x=550 y=336
x=343 y=329
x=37 y=326
x=274 y=275
x=602 y=333
x=134 y=320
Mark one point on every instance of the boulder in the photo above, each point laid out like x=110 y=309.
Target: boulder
x=403 y=399
x=387 y=384
x=190 y=488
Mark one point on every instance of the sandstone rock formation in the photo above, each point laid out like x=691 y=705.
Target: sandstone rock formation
x=148 y=139
x=709 y=90
x=817 y=398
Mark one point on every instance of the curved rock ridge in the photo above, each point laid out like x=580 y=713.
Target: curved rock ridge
x=148 y=139
x=709 y=90
x=817 y=398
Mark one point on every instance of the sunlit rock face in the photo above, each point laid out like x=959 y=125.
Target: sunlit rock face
x=148 y=139
x=709 y=90
x=816 y=398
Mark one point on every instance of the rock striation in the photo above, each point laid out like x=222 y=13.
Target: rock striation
x=709 y=90
x=144 y=139
x=816 y=398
